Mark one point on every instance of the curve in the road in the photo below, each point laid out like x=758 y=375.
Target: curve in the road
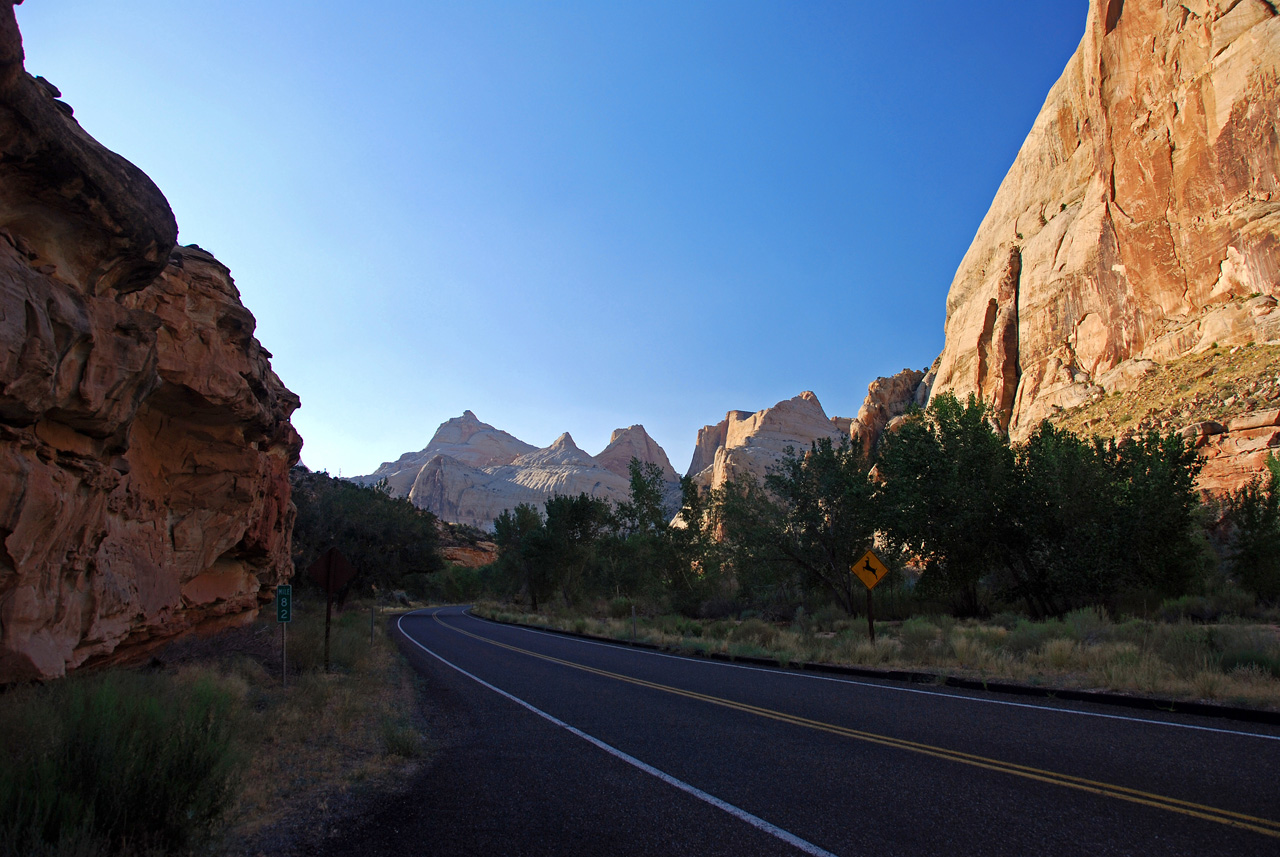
x=737 y=812
x=1243 y=821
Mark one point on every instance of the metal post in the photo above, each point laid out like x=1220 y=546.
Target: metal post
x=328 y=608
x=328 y=605
x=284 y=639
x=633 y=623
x=373 y=614
x=871 y=618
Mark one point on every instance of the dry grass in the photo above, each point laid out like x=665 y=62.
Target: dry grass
x=1237 y=664
x=325 y=733
x=288 y=751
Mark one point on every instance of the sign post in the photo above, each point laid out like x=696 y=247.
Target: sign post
x=332 y=572
x=870 y=571
x=284 y=615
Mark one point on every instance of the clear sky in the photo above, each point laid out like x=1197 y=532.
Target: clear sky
x=567 y=216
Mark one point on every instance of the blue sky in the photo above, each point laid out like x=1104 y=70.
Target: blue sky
x=567 y=216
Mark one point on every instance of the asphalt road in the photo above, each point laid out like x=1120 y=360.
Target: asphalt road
x=558 y=746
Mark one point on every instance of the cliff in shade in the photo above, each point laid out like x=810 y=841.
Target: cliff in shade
x=145 y=443
x=1139 y=224
x=471 y=472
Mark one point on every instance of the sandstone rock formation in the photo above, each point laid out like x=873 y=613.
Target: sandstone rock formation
x=1141 y=219
x=749 y=443
x=887 y=399
x=634 y=442
x=471 y=556
x=145 y=442
x=1237 y=452
x=471 y=472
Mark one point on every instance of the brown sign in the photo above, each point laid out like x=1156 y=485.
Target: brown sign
x=331 y=571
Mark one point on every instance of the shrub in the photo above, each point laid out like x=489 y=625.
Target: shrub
x=400 y=739
x=719 y=630
x=1196 y=608
x=1027 y=636
x=825 y=618
x=717 y=608
x=116 y=763
x=1263 y=662
x=1086 y=625
x=620 y=608
x=755 y=631
x=916 y=636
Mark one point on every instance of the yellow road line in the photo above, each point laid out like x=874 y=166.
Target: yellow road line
x=1264 y=826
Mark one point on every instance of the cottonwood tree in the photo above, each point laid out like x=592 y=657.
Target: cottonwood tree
x=827 y=514
x=1065 y=550
x=945 y=484
x=384 y=538
x=514 y=531
x=1253 y=519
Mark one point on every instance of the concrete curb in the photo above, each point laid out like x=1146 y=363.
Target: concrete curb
x=1121 y=700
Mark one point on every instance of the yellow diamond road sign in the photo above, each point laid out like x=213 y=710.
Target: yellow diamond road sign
x=870 y=569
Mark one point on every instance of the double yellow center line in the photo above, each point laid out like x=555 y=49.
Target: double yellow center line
x=1182 y=807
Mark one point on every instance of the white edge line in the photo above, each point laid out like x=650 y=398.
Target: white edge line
x=622 y=644
x=741 y=814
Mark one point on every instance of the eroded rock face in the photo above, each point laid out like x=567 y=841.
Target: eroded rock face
x=1139 y=222
x=1235 y=453
x=887 y=398
x=752 y=443
x=145 y=442
x=471 y=472
x=634 y=442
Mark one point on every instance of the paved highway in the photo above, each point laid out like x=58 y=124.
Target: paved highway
x=554 y=745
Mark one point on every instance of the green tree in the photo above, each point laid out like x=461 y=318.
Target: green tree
x=638 y=553
x=1066 y=550
x=565 y=549
x=515 y=532
x=1158 y=510
x=1253 y=517
x=828 y=517
x=746 y=522
x=383 y=538
x=644 y=511
x=946 y=483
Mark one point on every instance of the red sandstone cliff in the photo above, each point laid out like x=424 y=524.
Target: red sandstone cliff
x=1139 y=224
x=1140 y=218
x=145 y=442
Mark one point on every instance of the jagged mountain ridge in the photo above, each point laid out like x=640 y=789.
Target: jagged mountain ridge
x=470 y=472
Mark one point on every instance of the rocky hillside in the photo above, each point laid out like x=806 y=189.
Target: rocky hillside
x=1140 y=222
x=471 y=472
x=145 y=443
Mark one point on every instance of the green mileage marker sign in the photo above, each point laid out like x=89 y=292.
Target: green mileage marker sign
x=284 y=603
x=284 y=615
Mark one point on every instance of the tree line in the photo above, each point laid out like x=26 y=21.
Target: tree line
x=967 y=521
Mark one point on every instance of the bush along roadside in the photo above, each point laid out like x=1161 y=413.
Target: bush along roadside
x=204 y=751
x=1229 y=663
